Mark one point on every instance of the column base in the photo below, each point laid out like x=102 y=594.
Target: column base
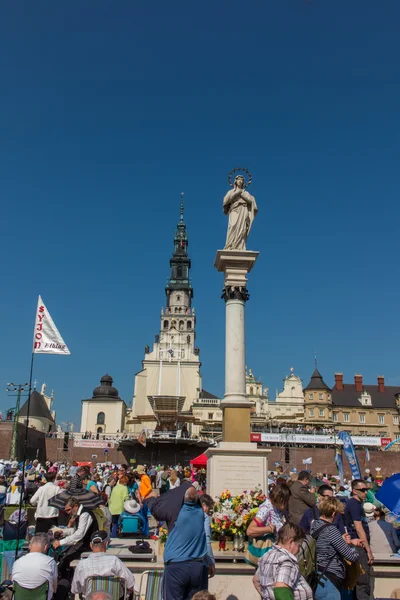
x=236 y=424
x=236 y=467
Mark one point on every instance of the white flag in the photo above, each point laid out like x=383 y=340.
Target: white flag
x=307 y=461
x=46 y=337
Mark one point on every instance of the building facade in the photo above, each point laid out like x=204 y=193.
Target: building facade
x=105 y=411
x=41 y=417
x=169 y=381
x=289 y=403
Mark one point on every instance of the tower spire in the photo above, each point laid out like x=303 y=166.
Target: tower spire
x=182 y=205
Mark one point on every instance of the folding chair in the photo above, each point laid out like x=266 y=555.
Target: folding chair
x=153 y=589
x=38 y=593
x=112 y=584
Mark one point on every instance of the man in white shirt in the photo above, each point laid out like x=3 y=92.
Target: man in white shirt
x=46 y=516
x=34 y=569
x=100 y=563
x=76 y=539
x=2 y=468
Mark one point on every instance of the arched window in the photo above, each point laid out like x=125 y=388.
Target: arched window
x=189 y=324
x=179 y=272
x=100 y=418
x=181 y=325
x=251 y=390
x=165 y=324
x=99 y=430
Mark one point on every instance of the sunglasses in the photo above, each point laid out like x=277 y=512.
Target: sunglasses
x=361 y=489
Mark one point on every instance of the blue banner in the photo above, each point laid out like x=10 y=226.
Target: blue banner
x=350 y=454
x=339 y=464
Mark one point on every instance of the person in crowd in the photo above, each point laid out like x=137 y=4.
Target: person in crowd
x=89 y=483
x=119 y=495
x=356 y=522
x=46 y=516
x=153 y=475
x=180 y=472
x=187 y=564
x=76 y=537
x=163 y=480
x=207 y=504
x=34 y=569
x=331 y=550
x=278 y=576
x=100 y=563
x=108 y=488
x=145 y=485
x=312 y=514
x=383 y=535
x=173 y=480
x=301 y=497
x=204 y=595
x=271 y=514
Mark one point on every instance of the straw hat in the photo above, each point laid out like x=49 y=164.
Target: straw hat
x=140 y=470
x=131 y=506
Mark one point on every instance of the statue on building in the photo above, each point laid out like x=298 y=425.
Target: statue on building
x=157 y=338
x=241 y=208
x=42 y=391
x=147 y=349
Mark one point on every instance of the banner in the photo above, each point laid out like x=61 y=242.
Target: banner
x=315 y=438
x=46 y=337
x=339 y=464
x=93 y=444
x=367 y=455
x=142 y=437
x=307 y=461
x=350 y=454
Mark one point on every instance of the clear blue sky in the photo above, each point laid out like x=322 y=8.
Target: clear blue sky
x=109 y=109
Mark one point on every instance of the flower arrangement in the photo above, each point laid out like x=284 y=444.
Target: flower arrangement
x=162 y=535
x=232 y=514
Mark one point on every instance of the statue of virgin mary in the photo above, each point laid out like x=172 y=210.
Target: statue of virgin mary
x=242 y=209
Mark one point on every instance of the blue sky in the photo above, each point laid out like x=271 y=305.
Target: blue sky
x=108 y=110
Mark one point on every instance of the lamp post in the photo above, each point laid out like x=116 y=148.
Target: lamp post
x=19 y=388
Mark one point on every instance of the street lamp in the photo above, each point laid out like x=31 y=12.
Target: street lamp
x=20 y=388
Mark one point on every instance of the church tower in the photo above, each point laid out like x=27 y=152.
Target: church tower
x=170 y=379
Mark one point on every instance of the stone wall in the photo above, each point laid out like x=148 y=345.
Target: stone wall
x=36 y=446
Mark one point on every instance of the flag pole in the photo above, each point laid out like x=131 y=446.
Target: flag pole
x=22 y=495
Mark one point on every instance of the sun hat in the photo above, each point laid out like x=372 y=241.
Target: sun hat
x=140 y=470
x=369 y=509
x=131 y=506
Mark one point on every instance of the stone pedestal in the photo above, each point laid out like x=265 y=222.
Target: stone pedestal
x=236 y=464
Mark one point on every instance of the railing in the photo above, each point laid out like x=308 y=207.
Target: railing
x=129 y=436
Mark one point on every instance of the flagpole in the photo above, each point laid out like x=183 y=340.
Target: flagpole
x=24 y=456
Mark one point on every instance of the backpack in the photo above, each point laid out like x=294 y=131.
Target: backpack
x=307 y=558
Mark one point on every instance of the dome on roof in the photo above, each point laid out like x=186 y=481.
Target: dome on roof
x=105 y=388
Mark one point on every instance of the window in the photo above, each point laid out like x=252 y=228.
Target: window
x=310 y=396
x=311 y=412
x=251 y=391
x=100 y=418
x=381 y=419
x=210 y=416
x=181 y=325
x=335 y=417
x=179 y=272
x=321 y=412
x=396 y=420
x=321 y=396
x=99 y=430
x=362 y=417
x=165 y=324
x=189 y=324
x=346 y=417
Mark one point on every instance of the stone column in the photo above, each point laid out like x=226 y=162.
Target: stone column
x=235 y=264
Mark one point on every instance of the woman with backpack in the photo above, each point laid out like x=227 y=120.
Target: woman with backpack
x=331 y=551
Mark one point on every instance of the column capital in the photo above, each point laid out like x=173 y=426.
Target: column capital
x=235 y=293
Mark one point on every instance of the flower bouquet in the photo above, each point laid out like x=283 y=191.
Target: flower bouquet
x=232 y=514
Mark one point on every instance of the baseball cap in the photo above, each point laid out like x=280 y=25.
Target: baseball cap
x=98 y=537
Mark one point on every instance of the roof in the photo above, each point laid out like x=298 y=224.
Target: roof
x=350 y=397
x=205 y=394
x=37 y=408
x=316 y=382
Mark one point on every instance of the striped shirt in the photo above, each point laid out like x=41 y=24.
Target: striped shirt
x=332 y=549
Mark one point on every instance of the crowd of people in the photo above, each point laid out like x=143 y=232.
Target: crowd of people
x=79 y=510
